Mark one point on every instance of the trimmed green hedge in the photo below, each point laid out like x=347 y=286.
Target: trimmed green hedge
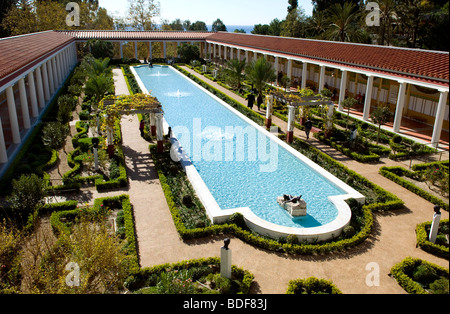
x=142 y=277
x=426 y=245
x=244 y=234
x=368 y=157
x=403 y=270
x=312 y=285
x=395 y=174
x=69 y=212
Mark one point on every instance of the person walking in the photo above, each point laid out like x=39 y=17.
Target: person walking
x=251 y=100
x=141 y=127
x=259 y=101
x=308 y=127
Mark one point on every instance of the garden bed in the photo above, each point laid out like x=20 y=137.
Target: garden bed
x=200 y=276
x=417 y=276
x=429 y=181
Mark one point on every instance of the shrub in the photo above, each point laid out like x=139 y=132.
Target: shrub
x=312 y=285
x=403 y=273
x=425 y=274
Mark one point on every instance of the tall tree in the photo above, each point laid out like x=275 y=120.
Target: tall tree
x=295 y=24
x=293 y=4
x=236 y=68
x=29 y=16
x=387 y=16
x=198 y=26
x=343 y=23
x=259 y=72
x=412 y=14
x=5 y=6
x=219 y=26
x=142 y=12
x=324 y=5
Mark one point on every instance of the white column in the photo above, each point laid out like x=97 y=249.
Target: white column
x=368 y=100
x=321 y=77
x=277 y=66
x=165 y=50
x=150 y=51
x=24 y=104
x=246 y=56
x=400 y=105
x=40 y=88
x=342 y=90
x=289 y=69
x=13 y=115
x=50 y=78
x=440 y=113
x=46 y=80
x=66 y=62
x=33 y=96
x=59 y=66
x=304 y=74
x=55 y=74
x=3 y=153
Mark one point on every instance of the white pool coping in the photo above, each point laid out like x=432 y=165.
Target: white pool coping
x=261 y=226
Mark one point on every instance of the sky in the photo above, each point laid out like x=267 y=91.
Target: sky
x=231 y=12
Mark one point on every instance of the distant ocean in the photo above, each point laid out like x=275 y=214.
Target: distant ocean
x=230 y=28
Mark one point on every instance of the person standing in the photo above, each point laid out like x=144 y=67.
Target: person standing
x=308 y=127
x=141 y=127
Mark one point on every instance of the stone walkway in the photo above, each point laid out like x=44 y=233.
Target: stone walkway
x=392 y=240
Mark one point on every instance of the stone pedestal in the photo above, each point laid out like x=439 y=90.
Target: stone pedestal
x=435 y=227
x=290 y=126
x=225 y=260
x=159 y=132
x=269 y=110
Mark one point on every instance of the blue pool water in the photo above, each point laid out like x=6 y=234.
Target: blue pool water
x=238 y=175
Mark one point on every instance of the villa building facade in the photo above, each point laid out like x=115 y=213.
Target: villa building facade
x=413 y=82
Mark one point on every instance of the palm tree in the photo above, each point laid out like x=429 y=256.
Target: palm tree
x=343 y=20
x=98 y=86
x=260 y=72
x=317 y=24
x=97 y=67
x=100 y=48
x=236 y=68
x=387 y=16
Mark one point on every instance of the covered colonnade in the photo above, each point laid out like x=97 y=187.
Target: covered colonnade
x=414 y=83
x=33 y=68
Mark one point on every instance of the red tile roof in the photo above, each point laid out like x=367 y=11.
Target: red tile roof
x=137 y=35
x=21 y=52
x=423 y=65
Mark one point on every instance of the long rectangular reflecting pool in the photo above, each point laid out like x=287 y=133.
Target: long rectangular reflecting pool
x=236 y=165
